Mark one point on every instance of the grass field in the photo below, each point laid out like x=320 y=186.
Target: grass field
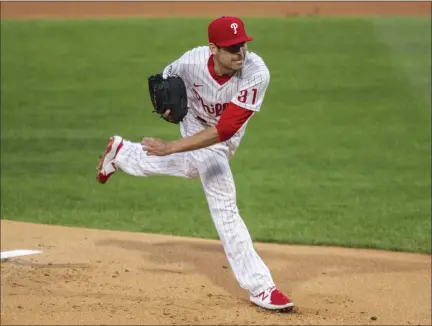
x=340 y=153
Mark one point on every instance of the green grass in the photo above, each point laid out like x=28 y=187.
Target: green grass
x=338 y=155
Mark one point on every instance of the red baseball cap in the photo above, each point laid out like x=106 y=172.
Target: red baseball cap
x=227 y=31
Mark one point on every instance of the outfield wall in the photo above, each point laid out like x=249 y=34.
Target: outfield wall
x=71 y=9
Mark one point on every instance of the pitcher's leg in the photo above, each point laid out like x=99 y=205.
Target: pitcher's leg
x=131 y=159
x=218 y=183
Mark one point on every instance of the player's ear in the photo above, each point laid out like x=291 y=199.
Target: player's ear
x=213 y=48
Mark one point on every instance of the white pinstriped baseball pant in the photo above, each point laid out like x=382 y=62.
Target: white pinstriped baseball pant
x=211 y=166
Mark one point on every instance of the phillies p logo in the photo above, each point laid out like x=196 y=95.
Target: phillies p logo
x=234 y=26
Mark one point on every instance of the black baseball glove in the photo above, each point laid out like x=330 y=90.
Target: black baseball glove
x=168 y=94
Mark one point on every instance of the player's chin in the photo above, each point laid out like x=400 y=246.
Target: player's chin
x=237 y=65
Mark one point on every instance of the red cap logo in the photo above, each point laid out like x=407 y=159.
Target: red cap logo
x=227 y=31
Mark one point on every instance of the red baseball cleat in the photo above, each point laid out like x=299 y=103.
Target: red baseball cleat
x=272 y=299
x=106 y=166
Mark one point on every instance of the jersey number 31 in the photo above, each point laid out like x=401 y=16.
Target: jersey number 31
x=243 y=97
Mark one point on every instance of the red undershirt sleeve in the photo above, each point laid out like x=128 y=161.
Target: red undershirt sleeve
x=231 y=121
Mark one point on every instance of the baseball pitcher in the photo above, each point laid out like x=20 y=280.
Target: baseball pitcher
x=211 y=92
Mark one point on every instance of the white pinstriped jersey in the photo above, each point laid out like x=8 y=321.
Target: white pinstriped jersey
x=207 y=99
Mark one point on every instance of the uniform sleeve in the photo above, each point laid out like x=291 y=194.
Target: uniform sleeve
x=252 y=90
x=174 y=68
x=231 y=120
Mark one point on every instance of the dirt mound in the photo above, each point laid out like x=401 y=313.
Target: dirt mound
x=89 y=277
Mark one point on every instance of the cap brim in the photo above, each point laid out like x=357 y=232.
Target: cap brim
x=237 y=40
